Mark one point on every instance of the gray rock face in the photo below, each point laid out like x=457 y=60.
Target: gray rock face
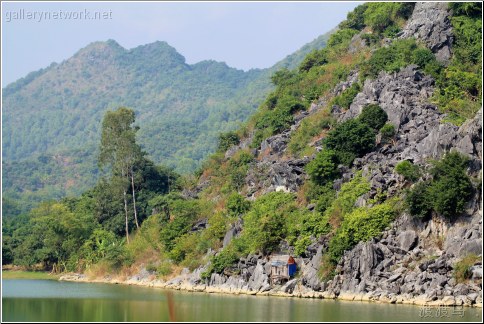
x=193 y=193
x=310 y=270
x=232 y=232
x=430 y=23
x=407 y=240
x=421 y=134
x=274 y=146
x=284 y=176
x=399 y=94
x=470 y=137
x=343 y=85
x=259 y=278
x=465 y=237
x=244 y=143
x=357 y=43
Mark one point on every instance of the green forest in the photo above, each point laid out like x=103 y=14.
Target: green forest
x=52 y=116
x=138 y=211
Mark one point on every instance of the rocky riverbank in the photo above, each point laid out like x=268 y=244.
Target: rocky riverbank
x=293 y=288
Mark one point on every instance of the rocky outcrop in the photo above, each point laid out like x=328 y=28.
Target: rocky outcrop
x=343 y=85
x=267 y=176
x=421 y=134
x=430 y=23
x=234 y=230
x=412 y=264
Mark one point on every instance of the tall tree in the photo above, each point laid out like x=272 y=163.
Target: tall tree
x=121 y=154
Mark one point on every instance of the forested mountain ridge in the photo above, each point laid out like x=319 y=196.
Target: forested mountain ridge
x=364 y=164
x=154 y=78
x=51 y=118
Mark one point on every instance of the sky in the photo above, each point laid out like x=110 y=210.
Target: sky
x=245 y=35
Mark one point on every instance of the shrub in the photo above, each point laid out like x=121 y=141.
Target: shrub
x=468 y=33
x=459 y=94
x=448 y=191
x=462 y=268
x=346 y=98
x=341 y=36
x=408 y=170
x=310 y=127
x=373 y=116
x=417 y=200
x=459 y=85
x=264 y=224
x=327 y=269
x=164 y=269
x=183 y=246
x=323 y=168
x=237 y=178
x=399 y=54
x=360 y=225
x=422 y=57
x=271 y=101
x=347 y=196
x=280 y=117
x=326 y=197
x=224 y=259
x=282 y=77
x=391 y=31
x=471 y=9
x=387 y=131
x=301 y=245
x=379 y=16
x=241 y=158
x=183 y=214
x=237 y=205
x=259 y=136
x=315 y=58
x=370 y=39
x=226 y=140
x=451 y=187
x=217 y=227
x=355 y=18
x=350 y=138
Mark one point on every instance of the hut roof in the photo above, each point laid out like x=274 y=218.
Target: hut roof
x=281 y=260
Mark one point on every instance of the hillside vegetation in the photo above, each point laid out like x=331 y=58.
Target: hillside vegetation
x=52 y=116
x=331 y=197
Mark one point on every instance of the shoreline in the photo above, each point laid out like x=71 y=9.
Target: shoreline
x=29 y=275
x=422 y=300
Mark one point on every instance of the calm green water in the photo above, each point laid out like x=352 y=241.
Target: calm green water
x=47 y=300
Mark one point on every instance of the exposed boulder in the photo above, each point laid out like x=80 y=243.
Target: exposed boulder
x=232 y=232
x=430 y=23
x=407 y=240
x=259 y=278
x=284 y=176
x=465 y=237
x=310 y=276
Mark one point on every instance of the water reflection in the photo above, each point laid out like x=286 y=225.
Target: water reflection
x=38 y=300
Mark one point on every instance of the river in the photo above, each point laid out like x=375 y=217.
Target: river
x=49 y=300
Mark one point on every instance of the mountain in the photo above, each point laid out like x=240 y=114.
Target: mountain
x=60 y=107
x=363 y=167
x=52 y=117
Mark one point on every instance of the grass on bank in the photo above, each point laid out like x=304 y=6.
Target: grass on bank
x=40 y=275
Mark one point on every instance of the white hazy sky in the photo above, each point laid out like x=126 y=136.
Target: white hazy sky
x=245 y=35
